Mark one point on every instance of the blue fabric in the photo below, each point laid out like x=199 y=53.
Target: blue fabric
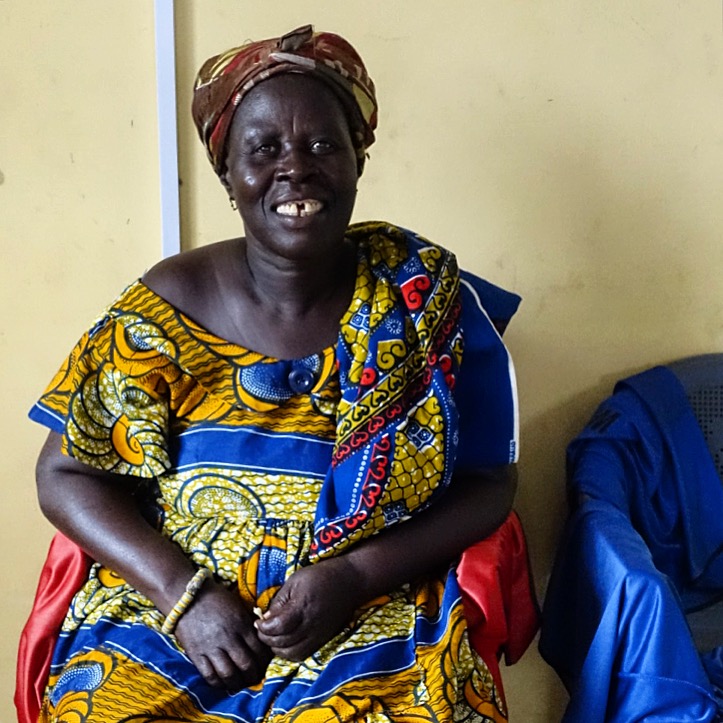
x=713 y=664
x=644 y=544
x=486 y=391
x=644 y=452
x=614 y=631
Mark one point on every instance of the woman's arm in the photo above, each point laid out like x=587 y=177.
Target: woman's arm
x=318 y=601
x=96 y=510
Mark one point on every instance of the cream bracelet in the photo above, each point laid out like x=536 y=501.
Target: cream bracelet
x=169 y=624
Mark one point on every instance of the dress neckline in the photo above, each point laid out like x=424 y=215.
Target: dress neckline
x=151 y=326
x=218 y=341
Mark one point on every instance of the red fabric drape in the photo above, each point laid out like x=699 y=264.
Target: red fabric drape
x=64 y=572
x=500 y=605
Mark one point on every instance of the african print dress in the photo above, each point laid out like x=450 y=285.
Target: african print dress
x=237 y=451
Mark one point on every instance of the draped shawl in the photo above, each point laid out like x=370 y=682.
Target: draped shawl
x=399 y=349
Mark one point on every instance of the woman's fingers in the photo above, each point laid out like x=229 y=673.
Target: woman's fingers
x=252 y=640
x=218 y=635
x=285 y=631
x=296 y=653
x=232 y=668
x=250 y=670
x=308 y=611
x=235 y=669
x=251 y=657
x=207 y=671
x=281 y=640
x=281 y=620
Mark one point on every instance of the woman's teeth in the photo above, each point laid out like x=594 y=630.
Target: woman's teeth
x=299 y=208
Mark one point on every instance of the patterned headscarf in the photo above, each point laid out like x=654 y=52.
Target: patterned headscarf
x=225 y=79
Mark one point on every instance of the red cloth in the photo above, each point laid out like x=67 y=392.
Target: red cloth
x=500 y=605
x=64 y=572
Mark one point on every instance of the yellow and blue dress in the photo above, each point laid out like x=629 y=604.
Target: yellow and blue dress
x=257 y=466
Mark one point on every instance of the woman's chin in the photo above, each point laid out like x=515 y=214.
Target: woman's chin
x=301 y=237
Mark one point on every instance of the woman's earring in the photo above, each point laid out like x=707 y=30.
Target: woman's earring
x=232 y=200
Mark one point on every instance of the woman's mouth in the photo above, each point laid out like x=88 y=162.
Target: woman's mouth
x=306 y=207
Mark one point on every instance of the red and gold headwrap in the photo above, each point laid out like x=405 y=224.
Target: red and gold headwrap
x=225 y=79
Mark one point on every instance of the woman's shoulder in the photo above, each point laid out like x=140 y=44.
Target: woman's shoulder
x=186 y=279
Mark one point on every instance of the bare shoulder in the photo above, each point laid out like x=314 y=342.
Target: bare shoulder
x=186 y=280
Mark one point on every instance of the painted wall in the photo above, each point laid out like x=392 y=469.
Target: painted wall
x=79 y=219
x=570 y=151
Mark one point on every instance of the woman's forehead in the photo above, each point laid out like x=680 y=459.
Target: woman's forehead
x=289 y=95
x=292 y=87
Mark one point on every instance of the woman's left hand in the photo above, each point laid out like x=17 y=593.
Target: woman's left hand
x=316 y=602
x=313 y=605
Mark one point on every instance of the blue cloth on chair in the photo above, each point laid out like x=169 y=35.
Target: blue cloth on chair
x=665 y=478
x=645 y=544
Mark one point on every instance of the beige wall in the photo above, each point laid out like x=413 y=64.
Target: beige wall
x=571 y=151
x=79 y=219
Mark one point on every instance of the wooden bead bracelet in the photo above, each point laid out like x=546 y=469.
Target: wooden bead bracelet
x=169 y=624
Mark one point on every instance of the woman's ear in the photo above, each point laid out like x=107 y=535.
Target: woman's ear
x=224 y=182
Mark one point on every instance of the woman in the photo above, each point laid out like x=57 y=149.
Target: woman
x=325 y=417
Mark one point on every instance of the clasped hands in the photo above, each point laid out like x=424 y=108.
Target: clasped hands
x=232 y=648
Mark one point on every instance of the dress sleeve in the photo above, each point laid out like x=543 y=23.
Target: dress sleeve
x=110 y=403
x=486 y=389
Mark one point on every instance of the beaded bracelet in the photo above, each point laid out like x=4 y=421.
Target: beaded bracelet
x=169 y=624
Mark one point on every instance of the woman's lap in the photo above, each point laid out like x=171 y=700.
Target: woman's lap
x=404 y=657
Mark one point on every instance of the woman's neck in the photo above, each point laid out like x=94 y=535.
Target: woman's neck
x=293 y=289
x=282 y=308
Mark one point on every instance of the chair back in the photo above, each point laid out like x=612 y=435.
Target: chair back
x=702 y=379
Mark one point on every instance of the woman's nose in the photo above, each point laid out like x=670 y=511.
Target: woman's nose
x=295 y=165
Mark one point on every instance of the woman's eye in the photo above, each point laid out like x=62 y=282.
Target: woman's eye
x=265 y=149
x=322 y=147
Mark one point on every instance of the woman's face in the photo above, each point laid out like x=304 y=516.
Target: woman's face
x=291 y=167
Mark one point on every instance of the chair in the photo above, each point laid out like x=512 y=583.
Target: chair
x=633 y=619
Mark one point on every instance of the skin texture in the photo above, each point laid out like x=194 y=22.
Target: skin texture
x=281 y=291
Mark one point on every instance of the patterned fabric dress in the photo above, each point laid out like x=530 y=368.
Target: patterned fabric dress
x=234 y=451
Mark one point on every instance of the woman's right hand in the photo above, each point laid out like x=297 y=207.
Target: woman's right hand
x=97 y=510
x=218 y=635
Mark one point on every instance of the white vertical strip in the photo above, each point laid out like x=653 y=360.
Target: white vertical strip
x=167 y=132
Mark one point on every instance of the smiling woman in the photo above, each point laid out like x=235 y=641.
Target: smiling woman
x=280 y=444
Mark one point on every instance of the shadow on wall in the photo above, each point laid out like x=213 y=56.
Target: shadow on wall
x=541 y=501
x=615 y=267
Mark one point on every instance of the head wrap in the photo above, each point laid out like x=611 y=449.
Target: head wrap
x=225 y=79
